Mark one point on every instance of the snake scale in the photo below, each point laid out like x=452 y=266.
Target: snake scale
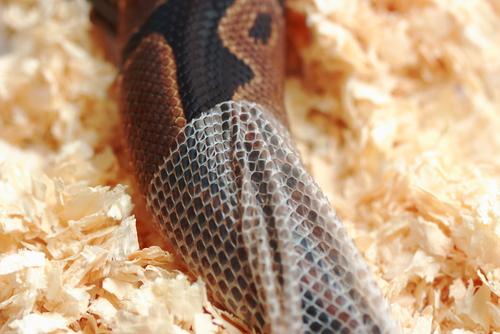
x=201 y=103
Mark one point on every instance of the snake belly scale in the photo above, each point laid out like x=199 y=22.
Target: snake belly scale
x=201 y=103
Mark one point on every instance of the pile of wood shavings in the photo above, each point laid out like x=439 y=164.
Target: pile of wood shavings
x=69 y=253
x=402 y=102
x=407 y=97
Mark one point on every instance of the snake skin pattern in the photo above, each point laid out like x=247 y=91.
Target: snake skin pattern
x=222 y=174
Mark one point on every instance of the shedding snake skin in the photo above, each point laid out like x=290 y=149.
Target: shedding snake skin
x=201 y=102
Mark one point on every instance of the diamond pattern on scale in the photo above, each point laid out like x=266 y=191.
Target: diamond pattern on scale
x=236 y=201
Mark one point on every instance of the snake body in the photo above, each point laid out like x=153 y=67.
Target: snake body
x=201 y=101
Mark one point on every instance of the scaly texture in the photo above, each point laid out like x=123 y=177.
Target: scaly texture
x=224 y=179
x=236 y=201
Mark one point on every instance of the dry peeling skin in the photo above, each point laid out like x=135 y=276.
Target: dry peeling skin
x=395 y=105
x=276 y=244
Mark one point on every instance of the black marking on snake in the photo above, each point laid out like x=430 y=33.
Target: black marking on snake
x=261 y=29
x=207 y=72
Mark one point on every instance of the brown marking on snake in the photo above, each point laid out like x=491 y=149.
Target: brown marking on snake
x=219 y=61
x=150 y=106
x=264 y=56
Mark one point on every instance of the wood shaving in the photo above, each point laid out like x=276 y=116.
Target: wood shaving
x=395 y=106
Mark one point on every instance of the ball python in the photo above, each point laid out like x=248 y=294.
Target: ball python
x=201 y=104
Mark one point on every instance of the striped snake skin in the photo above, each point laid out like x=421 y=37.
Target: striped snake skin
x=201 y=103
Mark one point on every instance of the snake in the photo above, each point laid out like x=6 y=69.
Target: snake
x=204 y=124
